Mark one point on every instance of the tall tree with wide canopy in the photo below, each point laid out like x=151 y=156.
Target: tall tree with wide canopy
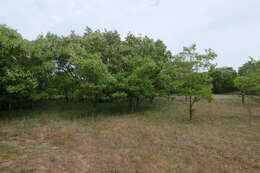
x=13 y=68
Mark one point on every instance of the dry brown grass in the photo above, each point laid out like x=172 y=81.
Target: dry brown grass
x=224 y=137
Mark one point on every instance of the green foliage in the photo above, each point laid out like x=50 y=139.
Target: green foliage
x=99 y=66
x=19 y=82
x=223 y=79
x=93 y=76
x=14 y=80
x=192 y=78
x=63 y=84
x=251 y=66
x=248 y=82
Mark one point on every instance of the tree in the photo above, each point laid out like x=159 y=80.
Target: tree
x=20 y=86
x=223 y=79
x=98 y=66
x=248 y=84
x=192 y=77
x=42 y=64
x=93 y=76
x=64 y=84
x=13 y=60
x=251 y=66
x=139 y=66
x=248 y=81
x=138 y=83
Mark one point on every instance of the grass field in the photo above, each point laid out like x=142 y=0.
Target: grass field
x=224 y=137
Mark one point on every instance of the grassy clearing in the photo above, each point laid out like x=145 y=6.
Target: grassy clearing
x=223 y=137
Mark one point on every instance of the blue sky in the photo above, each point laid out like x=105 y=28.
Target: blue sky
x=230 y=27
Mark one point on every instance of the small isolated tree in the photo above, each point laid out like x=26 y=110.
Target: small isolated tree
x=248 y=83
x=192 y=78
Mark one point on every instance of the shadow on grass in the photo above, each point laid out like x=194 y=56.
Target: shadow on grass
x=58 y=109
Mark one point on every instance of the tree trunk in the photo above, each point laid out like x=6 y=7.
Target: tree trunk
x=137 y=101
x=67 y=99
x=9 y=106
x=243 y=99
x=31 y=104
x=190 y=107
x=151 y=100
x=131 y=104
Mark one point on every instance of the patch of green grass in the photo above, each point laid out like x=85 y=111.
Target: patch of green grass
x=3 y=133
x=26 y=170
x=7 y=152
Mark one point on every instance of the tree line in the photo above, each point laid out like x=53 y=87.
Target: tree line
x=100 y=66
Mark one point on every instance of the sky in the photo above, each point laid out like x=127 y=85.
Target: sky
x=230 y=27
